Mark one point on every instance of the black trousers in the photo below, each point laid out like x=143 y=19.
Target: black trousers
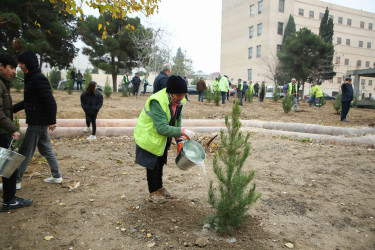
x=9 y=184
x=91 y=119
x=345 y=106
x=155 y=176
x=261 y=96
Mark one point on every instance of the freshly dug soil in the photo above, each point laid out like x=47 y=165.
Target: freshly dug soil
x=313 y=195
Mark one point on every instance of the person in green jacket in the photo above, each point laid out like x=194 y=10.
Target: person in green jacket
x=318 y=93
x=223 y=88
x=215 y=85
x=158 y=123
x=311 y=99
x=293 y=91
x=239 y=91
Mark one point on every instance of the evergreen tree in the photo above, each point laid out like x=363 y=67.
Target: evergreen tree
x=337 y=103
x=117 y=51
x=287 y=103
x=181 y=64
x=302 y=54
x=208 y=94
x=232 y=197
x=38 y=26
x=325 y=69
x=217 y=98
x=88 y=78
x=290 y=29
x=107 y=88
x=249 y=95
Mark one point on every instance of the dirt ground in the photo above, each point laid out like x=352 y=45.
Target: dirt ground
x=313 y=195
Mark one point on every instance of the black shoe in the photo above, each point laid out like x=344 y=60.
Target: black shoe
x=15 y=203
x=344 y=120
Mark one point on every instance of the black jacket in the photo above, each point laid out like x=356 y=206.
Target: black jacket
x=90 y=103
x=38 y=102
x=346 y=92
x=136 y=81
x=160 y=81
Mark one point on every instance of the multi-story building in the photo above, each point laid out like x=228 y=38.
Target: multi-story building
x=252 y=33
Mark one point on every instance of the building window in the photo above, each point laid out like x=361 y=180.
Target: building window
x=360 y=44
x=250 y=52
x=259 y=51
x=278 y=48
x=369 y=45
x=252 y=9
x=367 y=63
x=347 y=41
x=340 y=19
x=338 y=80
x=259 y=30
x=249 y=74
x=362 y=25
x=337 y=60
x=280 y=27
x=300 y=12
x=346 y=61
x=339 y=40
x=260 y=7
x=369 y=82
x=251 y=32
x=359 y=63
x=311 y=14
x=321 y=15
x=349 y=22
x=281 y=5
x=370 y=26
x=363 y=81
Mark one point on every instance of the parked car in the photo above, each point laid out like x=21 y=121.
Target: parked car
x=192 y=90
x=327 y=97
x=63 y=85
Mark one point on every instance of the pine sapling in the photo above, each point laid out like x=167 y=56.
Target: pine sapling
x=232 y=197
x=249 y=95
x=276 y=94
x=208 y=94
x=217 y=97
x=337 y=104
x=323 y=101
x=287 y=103
x=107 y=89
x=124 y=91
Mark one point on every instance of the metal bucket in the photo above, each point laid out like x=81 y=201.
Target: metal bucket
x=9 y=161
x=191 y=154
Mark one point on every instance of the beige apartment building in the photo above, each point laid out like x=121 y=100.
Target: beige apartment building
x=252 y=33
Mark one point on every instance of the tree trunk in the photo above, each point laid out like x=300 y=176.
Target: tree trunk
x=114 y=74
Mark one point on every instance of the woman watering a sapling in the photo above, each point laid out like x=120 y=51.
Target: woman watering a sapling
x=158 y=123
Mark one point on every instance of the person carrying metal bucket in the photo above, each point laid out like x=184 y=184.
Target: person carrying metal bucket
x=8 y=129
x=158 y=123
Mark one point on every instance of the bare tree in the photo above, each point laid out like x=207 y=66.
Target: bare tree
x=273 y=68
x=149 y=43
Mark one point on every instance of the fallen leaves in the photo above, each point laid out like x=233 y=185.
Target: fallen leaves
x=48 y=238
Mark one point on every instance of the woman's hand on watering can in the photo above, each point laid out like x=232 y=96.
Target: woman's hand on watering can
x=189 y=134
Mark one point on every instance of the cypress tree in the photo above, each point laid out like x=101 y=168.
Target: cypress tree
x=325 y=68
x=289 y=29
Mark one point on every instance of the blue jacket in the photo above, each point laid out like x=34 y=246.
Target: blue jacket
x=346 y=92
x=245 y=86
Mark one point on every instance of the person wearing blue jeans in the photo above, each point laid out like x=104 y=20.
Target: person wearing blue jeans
x=40 y=108
x=201 y=87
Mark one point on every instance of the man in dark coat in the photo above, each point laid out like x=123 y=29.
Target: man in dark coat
x=161 y=80
x=346 y=98
x=136 y=81
x=256 y=89
x=8 y=129
x=40 y=108
x=201 y=87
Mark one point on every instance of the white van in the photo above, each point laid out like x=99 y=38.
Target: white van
x=269 y=92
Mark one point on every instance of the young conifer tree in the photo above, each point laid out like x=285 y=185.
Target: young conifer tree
x=232 y=197
x=287 y=103
x=107 y=89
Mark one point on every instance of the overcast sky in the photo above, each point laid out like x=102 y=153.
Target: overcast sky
x=195 y=26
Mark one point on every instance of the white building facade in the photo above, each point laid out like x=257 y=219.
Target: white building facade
x=252 y=33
